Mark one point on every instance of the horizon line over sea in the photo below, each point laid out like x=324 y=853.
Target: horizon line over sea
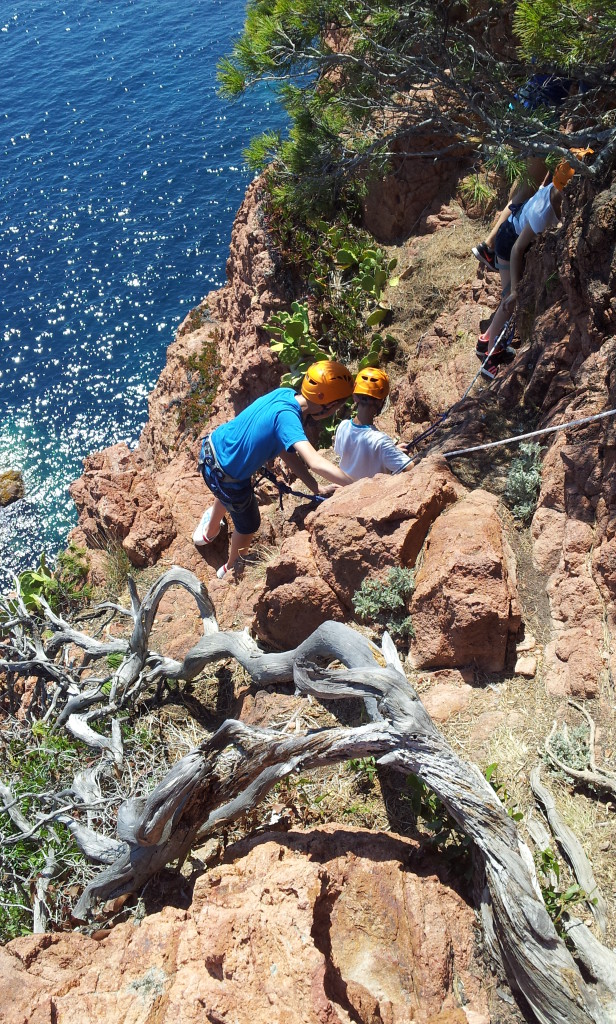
x=122 y=172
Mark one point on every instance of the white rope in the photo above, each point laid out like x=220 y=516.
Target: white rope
x=535 y=433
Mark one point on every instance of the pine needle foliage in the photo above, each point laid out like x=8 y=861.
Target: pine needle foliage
x=578 y=35
x=364 y=80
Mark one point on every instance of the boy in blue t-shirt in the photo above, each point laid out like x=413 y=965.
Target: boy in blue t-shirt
x=271 y=426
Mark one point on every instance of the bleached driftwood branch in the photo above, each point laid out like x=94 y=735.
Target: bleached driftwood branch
x=230 y=772
x=593 y=775
x=572 y=849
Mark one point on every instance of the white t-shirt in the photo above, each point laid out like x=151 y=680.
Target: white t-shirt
x=366 y=451
x=537 y=211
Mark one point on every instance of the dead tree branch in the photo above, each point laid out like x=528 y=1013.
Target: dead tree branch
x=572 y=850
x=232 y=770
x=593 y=776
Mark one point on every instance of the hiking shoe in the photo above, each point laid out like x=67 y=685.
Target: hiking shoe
x=504 y=350
x=199 y=538
x=489 y=370
x=485 y=255
x=481 y=349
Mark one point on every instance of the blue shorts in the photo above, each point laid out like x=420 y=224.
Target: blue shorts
x=237 y=496
x=506 y=237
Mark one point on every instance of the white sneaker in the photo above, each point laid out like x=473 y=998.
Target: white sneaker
x=222 y=572
x=198 y=536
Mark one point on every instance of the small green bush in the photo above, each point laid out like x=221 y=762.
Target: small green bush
x=477 y=191
x=364 y=768
x=383 y=602
x=503 y=794
x=34 y=764
x=71 y=573
x=432 y=816
x=558 y=902
x=524 y=481
x=346 y=276
x=64 y=588
x=114 y=660
x=571 y=746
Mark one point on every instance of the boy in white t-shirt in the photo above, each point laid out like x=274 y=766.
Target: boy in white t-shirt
x=365 y=451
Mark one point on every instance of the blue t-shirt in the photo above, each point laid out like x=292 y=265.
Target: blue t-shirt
x=270 y=425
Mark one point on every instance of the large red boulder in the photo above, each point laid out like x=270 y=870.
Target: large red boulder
x=379 y=522
x=119 y=504
x=465 y=606
x=320 y=927
x=295 y=598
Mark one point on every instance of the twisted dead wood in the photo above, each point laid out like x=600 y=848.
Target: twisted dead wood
x=230 y=772
x=572 y=849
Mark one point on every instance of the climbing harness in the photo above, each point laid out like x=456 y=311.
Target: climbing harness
x=209 y=458
x=284 y=488
x=501 y=342
x=534 y=433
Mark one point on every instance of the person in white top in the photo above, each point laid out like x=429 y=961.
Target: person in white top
x=540 y=212
x=365 y=451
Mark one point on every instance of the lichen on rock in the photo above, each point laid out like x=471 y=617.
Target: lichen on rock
x=11 y=486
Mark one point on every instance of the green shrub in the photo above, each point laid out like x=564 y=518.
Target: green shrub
x=71 y=573
x=383 y=602
x=524 y=481
x=346 y=276
x=503 y=794
x=558 y=902
x=431 y=814
x=63 y=588
x=37 y=763
x=571 y=746
x=476 y=191
x=365 y=768
x=114 y=660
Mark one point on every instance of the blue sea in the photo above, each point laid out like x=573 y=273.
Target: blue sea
x=121 y=173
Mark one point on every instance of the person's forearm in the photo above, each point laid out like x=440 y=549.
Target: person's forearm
x=329 y=471
x=319 y=465
x=299 y=467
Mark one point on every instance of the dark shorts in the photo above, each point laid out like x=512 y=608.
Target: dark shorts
x=238 y=497
x=506 y=237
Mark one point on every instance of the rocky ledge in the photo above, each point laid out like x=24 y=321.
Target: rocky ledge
x=324 y=927
x=149 y=500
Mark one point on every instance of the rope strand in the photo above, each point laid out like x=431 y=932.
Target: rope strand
x=534 y=433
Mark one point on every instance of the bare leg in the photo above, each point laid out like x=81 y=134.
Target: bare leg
x=218 y=513
x=500 y=317
x=240 y=542
x=502 y=217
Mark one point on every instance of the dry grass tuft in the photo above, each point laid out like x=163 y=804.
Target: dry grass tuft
x=430 y=275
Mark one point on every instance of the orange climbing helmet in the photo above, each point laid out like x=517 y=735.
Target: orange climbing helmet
x=564 y=172
x=326 y=382
x=372 y=382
